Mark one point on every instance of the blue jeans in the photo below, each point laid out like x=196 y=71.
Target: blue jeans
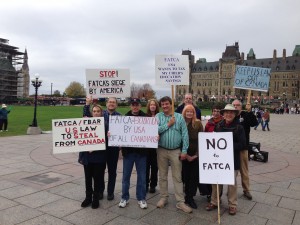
x=259 y=121
x=140 y=162
x=266 y=124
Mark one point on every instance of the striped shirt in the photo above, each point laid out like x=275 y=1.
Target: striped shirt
x=173 y=137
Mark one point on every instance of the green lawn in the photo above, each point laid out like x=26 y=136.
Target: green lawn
x=21 y=117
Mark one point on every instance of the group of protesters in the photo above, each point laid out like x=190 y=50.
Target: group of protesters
x=177 y=149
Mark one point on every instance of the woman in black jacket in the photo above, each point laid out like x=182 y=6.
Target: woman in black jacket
x=94 y=164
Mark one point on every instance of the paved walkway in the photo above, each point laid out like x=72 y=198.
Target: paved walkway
x=37 y=187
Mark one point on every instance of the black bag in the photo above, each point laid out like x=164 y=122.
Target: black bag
x=255 y=154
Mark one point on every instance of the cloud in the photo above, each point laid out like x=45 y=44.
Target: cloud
x=64 y=37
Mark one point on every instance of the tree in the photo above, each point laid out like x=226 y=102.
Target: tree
x=141 y=91
x=134 y=89
x=56 y=93
x=75 y=90
x=146 y=91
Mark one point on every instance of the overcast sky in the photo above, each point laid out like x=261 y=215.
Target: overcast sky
x=65 y=37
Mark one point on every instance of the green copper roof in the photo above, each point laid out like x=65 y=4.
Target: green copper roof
x=251 y=52
x=296 y=51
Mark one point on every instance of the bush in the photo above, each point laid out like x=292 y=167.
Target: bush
x=209 y=105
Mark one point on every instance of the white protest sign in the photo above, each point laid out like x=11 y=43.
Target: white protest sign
x=172 y=69
x=216 y=164
x=107 y=83
x=78 y=135
x=133 y=131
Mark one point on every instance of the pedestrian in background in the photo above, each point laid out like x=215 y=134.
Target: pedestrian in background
x=266 y=120
x=4 y=118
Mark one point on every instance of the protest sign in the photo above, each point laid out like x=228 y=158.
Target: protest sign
x=78 y=135
x=107 y=83
x=252 y=78
x=172 y=69
x=216 y=164
x=133 y=131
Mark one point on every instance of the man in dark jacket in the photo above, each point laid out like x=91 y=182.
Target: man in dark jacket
x=138 y=157
x=247 y=119
x=188 y=100
x=3 y=118
x=112 y=153
x=230 y=124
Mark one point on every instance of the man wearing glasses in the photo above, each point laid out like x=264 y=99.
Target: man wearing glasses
x=247 y=119
x=188 y=100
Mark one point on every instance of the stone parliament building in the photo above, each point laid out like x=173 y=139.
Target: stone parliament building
x=14 y=73
x=214 y=80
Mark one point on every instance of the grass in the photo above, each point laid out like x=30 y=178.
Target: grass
x=21 y=117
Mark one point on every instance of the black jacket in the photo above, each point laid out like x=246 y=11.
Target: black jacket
x=239 y=139
x=247 y=120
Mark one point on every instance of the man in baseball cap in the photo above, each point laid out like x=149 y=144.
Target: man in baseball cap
x=135 y=100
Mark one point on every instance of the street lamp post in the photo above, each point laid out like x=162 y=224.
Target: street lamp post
x=33 y=128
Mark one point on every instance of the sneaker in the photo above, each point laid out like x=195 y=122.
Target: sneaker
x=161 y=203
x=123 y=203
x=248 y=195
x=6 y=130
x=1 y=130
x=143 y=204
x=232 y=211
x=185 y=208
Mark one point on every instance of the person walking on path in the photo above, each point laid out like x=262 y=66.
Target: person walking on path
x=94 y=168
x=230 y=124
x=266 y=120
x=152 y=169
x=172 y=148
x=137 y=156
x=259 y=115
x=4 y=118
x=247 y=119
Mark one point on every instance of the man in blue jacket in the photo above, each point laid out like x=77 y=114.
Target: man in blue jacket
x=3 y=118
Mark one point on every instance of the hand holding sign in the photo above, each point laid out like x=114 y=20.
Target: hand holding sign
x=172 y=121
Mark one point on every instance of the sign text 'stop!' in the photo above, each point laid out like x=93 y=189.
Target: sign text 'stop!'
x=107 y=83
x=172 y=69
x=252 y=78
